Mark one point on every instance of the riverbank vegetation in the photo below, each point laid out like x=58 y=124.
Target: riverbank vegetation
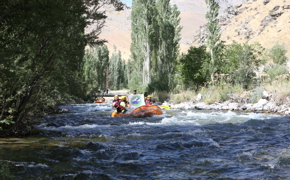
x=42 y=48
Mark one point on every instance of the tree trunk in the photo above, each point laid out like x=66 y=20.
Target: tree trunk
x=146 y=67
x=212 y=66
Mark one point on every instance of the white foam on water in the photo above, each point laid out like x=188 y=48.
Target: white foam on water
x=99 y=107
x=203 y=118
x=137 y=123
x=226 y=117
x=68 y=127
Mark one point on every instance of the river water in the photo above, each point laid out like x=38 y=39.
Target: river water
x=87 y=143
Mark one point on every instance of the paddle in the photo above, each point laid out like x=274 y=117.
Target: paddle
x=165 y=106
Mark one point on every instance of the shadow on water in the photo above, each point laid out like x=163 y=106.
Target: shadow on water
x=89 y=144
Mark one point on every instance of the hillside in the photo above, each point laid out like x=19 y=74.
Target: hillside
x=263 y=21
x=118 y=24
x=258 y=21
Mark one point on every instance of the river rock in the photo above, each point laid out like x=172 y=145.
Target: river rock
x=262 y=102
x=270 y=107
x=215 y=106
x=233 y=106
x=249 y=107
x=244 y=107
x=200 y=106
x=199 y=97
x=265 y=95
x=287 y=112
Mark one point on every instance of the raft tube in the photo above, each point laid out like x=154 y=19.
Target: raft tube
x=142 y=111
x=100 y=101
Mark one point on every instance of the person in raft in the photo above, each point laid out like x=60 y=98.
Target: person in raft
x=134 y=92
x=115 y=102
x=148 y=100
x=123 y=104
x=119 y=104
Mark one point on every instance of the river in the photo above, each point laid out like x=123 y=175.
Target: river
x=87 y=143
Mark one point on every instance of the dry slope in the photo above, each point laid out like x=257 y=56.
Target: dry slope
x=263 y=21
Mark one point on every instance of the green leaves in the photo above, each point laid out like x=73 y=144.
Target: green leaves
x=213 y=35
x=41 y=55
x=96 y=63
x=242 y=60
x=118 y=77
x=277 y=54
x=194 y=67
x=155 y=44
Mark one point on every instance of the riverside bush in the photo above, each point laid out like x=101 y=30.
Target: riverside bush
x=276 y=70
x=279 y=90
x=160 y=96
x=257 y=94
x=187 y=95
x=278 y=54
x=220 y=93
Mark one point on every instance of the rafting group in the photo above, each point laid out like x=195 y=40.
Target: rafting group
x=100 y=100
x=134 y=105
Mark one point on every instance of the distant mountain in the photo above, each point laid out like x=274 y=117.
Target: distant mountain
x=264 y=21
x=118 y=24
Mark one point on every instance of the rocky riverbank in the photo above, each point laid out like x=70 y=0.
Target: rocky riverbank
x=266 y=104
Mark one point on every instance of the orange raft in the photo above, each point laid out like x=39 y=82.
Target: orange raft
x=100 y=100
x=142 y=111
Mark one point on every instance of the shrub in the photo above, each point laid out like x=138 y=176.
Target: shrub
x=279 y=90
x=183 y=96
x=276 y=70
x=160 y=96
x=242 y=60
x=257 y=94
x=278 y=54
x=220 y=93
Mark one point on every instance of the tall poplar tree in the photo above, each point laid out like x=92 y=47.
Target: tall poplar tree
x=96 y=63
x=142 y=32
x=168 y=42
x=155 y=43
x=117 y=71
x=213 y=35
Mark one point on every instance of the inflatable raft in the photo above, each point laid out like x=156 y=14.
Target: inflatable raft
x=142 y=111
x=100 y=100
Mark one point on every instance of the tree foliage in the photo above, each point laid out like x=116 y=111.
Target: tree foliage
x=276 y=70
x=242 y=60
x=193 y=67
x=213 y=35
x=142 y=36
x=96 y=63
x=41 y=49
x=155 y=44
x=118 y=77
x=167 y=46
x=278 y=54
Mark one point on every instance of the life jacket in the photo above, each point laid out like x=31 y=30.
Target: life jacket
x=118 y=106
x=115 y=100
x=123 y=103
x=148 y=102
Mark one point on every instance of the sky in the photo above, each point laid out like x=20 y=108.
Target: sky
x=128 y=2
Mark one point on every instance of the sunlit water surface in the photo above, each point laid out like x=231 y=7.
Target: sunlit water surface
x=180 y=144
